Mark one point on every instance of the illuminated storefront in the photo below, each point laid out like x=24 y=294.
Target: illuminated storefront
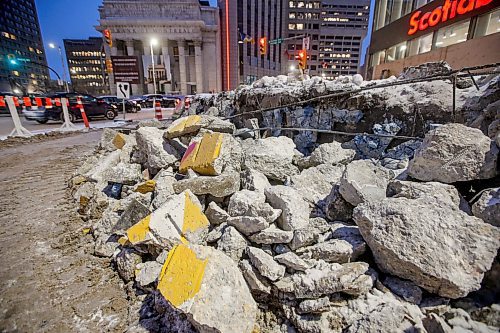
x=411 y=32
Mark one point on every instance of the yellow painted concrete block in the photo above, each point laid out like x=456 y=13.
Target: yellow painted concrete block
x=181 y=275
x=138 y=232
x=119 y=140
x=122 y=240
x=183 y=125
x=201 y=158
x=194 y=218
x=146 y=187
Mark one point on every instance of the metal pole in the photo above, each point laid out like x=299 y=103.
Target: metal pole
x=124 y=112
x=64 y=69
x=154 y=77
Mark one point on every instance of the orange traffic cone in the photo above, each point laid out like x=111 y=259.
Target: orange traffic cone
x=158 y=114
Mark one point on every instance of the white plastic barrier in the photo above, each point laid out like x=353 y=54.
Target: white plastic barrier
x=18 y=130
x=67 y=125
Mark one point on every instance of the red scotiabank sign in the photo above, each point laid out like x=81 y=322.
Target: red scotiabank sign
x=450 y=9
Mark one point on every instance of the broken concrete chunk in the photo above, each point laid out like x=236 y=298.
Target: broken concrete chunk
x=248 y=225
x=293 y=261
x=159 y=154
x=106 y=142
x=192 y=124
x=254 y=180
x=364 y=181
x=119 y=140
x=272 y=235
x=241 y=202
x=164 y=187
x=412 y=190
x=148 y=272
x=126 y=261
x=316 y=183
x=99 y=170
x=214 y=154
x=295 y=210
x=331 y=153
x=178 y=218
x=314 y=305
x=405 y=289
x=124 y=173
x=348 y=278
x=429 y=242
x=256 y=282
x=232 y=243
x=192 y=282
x=334 y=250
x=310 y=234
x=218 y=186
x=487 y=207
x=265 y=264
x=146 y=187
x=216 y=233
x=133 y=213
x=452 y=153
x=215 y=214
x=272 y=156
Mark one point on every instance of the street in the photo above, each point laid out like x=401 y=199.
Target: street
x=6 y=124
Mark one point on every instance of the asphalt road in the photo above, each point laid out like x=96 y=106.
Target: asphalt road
x=6 y=124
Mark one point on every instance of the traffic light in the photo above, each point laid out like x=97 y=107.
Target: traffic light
x=11 y=59
x=302 y=59
x=109 y=66
x=108 y=38
x=263 y=45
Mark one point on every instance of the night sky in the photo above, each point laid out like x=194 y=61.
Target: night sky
x=60 y=19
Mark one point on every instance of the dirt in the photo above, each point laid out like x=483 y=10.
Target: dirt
x=49 y=279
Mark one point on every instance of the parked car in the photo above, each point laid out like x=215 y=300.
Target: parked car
x=93 y=106
x=130 y=105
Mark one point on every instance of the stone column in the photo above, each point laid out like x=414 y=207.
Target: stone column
x=198 y=60
x=182 y=66
x=166 y=62
x=136 y=89
x=147 y=62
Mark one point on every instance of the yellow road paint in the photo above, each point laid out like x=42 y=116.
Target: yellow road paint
x=138 y=232
x=181 y=275
x=202 y=158
x=146 y=187
x=119 y=140
x=194 y=218
x=186 y=122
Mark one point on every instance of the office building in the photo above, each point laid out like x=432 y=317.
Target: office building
x=411 y=32
x=86 y=64
x=243 y=23
x=336 y=29
x=22 y=55
x=186 y=45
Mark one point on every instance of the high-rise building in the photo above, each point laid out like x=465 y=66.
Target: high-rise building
x=335 y=28
x=243 y=23
x=86 y=64
x=408 y=33
x=181 y=36
x=22 y=55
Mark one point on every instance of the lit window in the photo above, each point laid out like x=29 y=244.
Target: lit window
x=291 y=4
x=420 y=45
x=300 y=26
x=488 y=24
x=291 y=15
x=31 y=49
x=16 y=73
x=292 y=26
x=452 y=34
x=300 y=4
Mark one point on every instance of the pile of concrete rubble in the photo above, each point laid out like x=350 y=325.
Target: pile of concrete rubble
x=212 y=232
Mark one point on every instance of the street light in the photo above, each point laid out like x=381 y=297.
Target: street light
x=292 y=68
x=53 y=46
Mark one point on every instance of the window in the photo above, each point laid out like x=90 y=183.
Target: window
x=420 y=45
x=488 y=24
x=300 y=26
x=452 y=34
x=395 y=52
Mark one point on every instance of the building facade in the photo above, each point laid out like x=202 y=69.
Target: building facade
x=22 y=56
x=335 y=28
x=411 y=32
x=187 y=52
x=243 y=23
x=86 y=64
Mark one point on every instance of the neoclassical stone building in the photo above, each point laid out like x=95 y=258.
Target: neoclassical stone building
x=187 y=55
